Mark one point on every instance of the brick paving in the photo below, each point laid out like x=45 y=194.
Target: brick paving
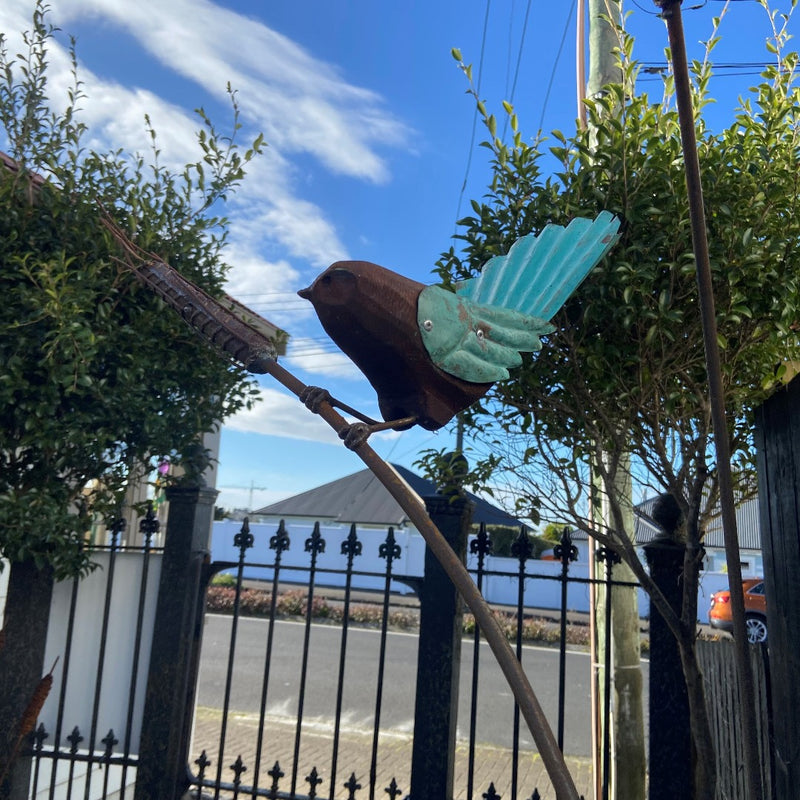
x=493 y=764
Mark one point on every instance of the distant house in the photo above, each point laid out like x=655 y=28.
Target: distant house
x=748 y=527
x=363 y=499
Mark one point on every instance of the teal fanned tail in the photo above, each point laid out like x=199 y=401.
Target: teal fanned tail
x=539 y=273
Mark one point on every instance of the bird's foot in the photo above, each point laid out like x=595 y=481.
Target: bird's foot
x=313 y=396
x=355 y=434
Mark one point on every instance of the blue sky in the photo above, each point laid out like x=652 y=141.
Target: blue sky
x=370 y=139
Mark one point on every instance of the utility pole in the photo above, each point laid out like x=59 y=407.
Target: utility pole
x=627 y=728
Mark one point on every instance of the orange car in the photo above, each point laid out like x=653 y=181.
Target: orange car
x=755 y=610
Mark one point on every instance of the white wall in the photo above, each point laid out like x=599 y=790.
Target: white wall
x=119 y=649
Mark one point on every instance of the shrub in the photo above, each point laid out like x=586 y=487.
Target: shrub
x=292 y=603
x=255 y=603
x=221 y=598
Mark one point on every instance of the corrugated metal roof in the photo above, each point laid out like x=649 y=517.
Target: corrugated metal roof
x=748 y=526
x=363 y=499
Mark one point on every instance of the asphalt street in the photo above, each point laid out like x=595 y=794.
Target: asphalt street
x=495 y=705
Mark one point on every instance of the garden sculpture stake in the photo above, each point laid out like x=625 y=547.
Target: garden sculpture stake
x=428 y=353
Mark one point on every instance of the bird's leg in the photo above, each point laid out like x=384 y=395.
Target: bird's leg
x=355 y=433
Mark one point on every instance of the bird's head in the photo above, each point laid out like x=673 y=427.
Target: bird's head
x=335 y=287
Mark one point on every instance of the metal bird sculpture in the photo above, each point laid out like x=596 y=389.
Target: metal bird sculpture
x=428 y=352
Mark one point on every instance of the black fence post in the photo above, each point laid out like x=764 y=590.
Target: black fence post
x=171 y=681
x=438 y=659
x=670 y=738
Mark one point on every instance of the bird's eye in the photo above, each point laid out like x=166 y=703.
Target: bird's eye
x=428 y=325
x=479 y=334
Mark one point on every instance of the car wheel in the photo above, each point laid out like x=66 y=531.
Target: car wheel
x=756 y=628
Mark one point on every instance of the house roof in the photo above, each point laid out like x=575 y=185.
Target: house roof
x=362 y=498
x=748 y=526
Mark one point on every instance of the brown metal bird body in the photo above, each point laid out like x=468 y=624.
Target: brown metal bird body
x=371 y=314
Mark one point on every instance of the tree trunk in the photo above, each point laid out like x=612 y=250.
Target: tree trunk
x=25 y=623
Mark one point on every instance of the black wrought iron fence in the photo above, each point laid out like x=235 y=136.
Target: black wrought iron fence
x=270 y=768
x=364 y=711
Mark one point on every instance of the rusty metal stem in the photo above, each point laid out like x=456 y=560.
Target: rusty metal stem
x=529 y=706
x=672 y=15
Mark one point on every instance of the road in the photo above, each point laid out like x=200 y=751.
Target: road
x=495 y=701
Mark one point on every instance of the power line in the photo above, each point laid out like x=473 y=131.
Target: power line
x=474 y=117
x=519 y=61
x=555 y=64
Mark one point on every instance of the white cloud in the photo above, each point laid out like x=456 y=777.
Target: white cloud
x=319 y=356
x=282 y=414
x=301 y=103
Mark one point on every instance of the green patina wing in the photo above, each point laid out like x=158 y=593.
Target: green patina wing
x=476 y=343
x=539 y=273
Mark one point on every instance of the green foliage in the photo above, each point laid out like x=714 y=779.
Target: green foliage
x=100 y=380
x=503 y=537
x=553 y=532
x=625 y=370
x=223 y=579
x=450 y=472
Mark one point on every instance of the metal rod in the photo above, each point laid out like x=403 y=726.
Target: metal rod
x=62 y=695
x=524 y=551
x=101 y=657
x=243 y=539
x=672 y=14
x=481 y=545
x=565 y=553
x=148 y=529
x=391 y=550
x=314 y=545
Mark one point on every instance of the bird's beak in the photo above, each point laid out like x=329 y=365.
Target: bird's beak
x=305 y=293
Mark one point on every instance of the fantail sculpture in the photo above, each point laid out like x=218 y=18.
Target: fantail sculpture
x=428 y=352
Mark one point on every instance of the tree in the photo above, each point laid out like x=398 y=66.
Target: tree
x=621 y=385
x=100 y=381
